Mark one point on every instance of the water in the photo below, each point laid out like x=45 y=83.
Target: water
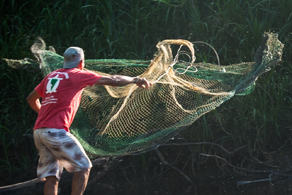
x=211 y=188
x=131 y=180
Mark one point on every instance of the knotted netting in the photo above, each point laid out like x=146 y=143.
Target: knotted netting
x=128 y=119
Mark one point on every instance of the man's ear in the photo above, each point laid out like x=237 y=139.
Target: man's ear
x=80 y=65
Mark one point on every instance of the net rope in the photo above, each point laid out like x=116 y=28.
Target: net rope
x=128 y=120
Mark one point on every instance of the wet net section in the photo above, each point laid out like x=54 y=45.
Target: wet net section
x=126 y=120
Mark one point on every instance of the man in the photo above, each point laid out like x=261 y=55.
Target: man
x=61 y=94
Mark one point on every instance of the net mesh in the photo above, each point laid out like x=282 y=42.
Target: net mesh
x=126 y=120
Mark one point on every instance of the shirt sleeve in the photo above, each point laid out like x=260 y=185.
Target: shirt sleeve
x=89 y=78
x=40 y=88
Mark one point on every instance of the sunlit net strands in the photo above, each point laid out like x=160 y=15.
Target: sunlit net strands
x=126 y=120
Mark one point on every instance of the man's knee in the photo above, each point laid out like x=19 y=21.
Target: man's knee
x=85 y=172
x=52 y=180
x=81 y=175
x=88 y=170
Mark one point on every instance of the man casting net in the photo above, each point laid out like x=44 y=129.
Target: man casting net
x=126 y=120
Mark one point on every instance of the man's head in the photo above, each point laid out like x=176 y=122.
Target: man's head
x=72 y=57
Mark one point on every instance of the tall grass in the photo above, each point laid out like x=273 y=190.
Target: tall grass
x=16 y=120
x=131 y=29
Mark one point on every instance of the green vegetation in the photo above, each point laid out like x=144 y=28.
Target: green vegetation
x=121 y=29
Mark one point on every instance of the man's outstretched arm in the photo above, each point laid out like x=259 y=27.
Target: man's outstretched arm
x=33 y=100
x=121 y=80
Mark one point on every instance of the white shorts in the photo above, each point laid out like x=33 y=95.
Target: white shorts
x=59 y=149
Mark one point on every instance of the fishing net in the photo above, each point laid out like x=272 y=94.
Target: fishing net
x=127 y=120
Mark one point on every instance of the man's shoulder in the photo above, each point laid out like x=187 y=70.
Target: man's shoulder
x=90 y=72
x=74 y=72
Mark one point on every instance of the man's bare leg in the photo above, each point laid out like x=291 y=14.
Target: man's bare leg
x=51 y=186
x=79 y=182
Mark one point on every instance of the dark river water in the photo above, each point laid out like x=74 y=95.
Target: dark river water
x=120 y=182
x=211 y=187
x=151 y=179
x=131 y=177
x=265 y=188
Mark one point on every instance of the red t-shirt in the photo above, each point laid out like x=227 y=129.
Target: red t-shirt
x=61 y=95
